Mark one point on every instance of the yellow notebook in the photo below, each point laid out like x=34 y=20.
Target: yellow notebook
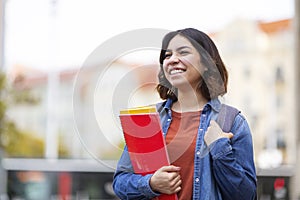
x=139 y=110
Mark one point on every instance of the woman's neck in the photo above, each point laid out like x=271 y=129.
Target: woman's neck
x=189 y=101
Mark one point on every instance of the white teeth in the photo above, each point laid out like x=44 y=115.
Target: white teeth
x=176 y=71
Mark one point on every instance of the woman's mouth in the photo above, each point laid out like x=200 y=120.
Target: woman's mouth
x=176 y=71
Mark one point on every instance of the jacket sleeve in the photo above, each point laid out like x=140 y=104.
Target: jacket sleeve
x=233 y=164
x=127 y=184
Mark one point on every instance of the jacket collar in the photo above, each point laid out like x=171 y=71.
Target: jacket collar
x=214 y=104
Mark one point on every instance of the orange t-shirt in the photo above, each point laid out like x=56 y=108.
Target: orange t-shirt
x=181 y=142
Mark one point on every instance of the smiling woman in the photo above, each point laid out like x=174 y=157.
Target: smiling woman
x=208 y=161
x=212 y=70
x=180 y=64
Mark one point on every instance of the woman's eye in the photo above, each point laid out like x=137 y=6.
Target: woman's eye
x=168 y=55
x=183 y=52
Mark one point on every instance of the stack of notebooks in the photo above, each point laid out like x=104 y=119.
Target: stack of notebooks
x=145 y=141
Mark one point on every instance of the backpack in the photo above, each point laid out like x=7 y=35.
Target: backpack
x=226 y=117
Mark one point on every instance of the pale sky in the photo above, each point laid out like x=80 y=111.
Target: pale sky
x=39 y=36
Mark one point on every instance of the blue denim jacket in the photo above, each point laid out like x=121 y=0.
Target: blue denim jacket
x=224 y=170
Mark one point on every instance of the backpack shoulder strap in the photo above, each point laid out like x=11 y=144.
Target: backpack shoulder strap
x=226 y=117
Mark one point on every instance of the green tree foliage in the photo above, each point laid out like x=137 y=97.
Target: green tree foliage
x=115 y=152
x=21 y=144
x=21 y=95
x=16 y=142
x=62 y=150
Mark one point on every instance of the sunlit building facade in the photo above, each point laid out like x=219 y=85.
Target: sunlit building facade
x=260 y=60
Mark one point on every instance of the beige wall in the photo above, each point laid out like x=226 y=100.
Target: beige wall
x=252 y=58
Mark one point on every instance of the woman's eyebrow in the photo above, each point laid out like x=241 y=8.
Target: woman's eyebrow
x=183 y=47
x=179 y=48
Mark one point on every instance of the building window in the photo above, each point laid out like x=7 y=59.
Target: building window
x=279 y=75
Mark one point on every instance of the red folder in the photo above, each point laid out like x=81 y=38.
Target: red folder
x=145 y=142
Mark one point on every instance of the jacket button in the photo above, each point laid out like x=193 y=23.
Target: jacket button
x=197 y=180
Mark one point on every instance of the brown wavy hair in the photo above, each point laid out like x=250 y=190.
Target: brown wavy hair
x=213 y=81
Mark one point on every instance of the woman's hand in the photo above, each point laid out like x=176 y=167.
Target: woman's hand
x=166 y=180
x=214 y=132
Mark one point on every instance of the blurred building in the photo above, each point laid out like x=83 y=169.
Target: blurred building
x=84 y=104
x=260 y=60
x=32 y=117
x=258 y=55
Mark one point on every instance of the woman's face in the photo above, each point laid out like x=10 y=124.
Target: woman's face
x=182 y=63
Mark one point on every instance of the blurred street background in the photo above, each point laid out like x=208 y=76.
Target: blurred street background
x=60 y=135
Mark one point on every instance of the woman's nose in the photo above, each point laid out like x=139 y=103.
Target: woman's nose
x=173 y=59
